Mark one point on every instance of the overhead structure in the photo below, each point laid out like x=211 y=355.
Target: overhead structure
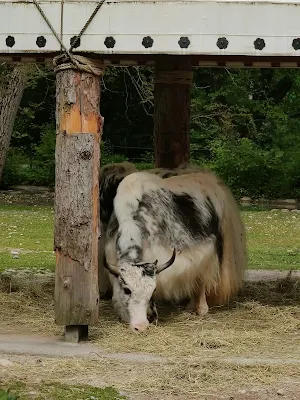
x=82 y=38
x=222 y=33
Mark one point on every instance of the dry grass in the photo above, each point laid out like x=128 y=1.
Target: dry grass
x=199 y=353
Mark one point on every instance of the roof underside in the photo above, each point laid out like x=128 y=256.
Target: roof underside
x=213 y=33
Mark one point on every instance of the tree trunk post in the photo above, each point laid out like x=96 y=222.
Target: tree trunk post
x=77 y=230
x=172 y=92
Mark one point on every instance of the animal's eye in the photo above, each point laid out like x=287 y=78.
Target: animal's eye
x=127 y=291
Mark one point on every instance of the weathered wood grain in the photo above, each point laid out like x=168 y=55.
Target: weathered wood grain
x=77 y=199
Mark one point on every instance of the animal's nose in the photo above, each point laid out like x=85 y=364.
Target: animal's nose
x=139 y=326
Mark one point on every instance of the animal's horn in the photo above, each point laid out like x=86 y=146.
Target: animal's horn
x=113 y=269
x=167 y=264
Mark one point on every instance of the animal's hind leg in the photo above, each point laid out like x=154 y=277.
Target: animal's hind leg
x=198 y=302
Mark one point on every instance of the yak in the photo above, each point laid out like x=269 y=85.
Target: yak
x=110 y=177
x=192 y=221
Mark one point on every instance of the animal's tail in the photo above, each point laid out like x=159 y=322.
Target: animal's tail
x=234 y=261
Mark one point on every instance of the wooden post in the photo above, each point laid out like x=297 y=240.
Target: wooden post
x=172 y=91
x=79 y=128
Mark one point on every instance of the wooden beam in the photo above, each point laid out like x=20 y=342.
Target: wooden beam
x=172 y=92
x=79 y=127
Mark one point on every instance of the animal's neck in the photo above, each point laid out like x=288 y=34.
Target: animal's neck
x=129 y=245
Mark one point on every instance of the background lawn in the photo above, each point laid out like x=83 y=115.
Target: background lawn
x=29 y=230
x=272 y=237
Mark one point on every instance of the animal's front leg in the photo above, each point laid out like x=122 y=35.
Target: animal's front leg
x=198 y=302
x=201 y=306
x=152 y=314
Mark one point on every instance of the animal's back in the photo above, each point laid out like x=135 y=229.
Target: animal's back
x=176 y=210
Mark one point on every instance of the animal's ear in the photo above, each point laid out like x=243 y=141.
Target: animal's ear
x=113 y=269
x=161 y=267
x=155 y=263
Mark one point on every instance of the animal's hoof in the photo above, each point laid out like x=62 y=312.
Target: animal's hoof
x=201 y=311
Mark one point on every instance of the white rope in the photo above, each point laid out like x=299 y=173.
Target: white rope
x=80 y=63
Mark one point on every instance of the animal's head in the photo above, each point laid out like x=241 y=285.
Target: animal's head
x=133 y=288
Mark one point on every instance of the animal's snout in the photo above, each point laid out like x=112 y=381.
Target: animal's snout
x=139 y=326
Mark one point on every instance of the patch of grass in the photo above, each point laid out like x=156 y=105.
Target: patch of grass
x=58 y=391
x=29 y=230
x=272 y=238
x=6 y=395
x=38 y=260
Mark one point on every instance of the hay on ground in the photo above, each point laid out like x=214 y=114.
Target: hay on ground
x=200 y=354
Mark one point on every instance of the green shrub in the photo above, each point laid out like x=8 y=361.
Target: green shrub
x=16 y=168
x=251 y=171
x=144 y=166
x=245 y=166
x=43 y=168
x=107 y=155
x=39 y=170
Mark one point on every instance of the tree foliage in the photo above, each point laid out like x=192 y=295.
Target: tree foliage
x=244 y=124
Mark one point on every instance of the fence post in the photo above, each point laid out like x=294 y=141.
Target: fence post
x=79 y=128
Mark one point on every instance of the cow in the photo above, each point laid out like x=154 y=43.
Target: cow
x=110 y=177
x=174 y=238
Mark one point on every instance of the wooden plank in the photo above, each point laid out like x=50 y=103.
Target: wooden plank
x=213 y=27
x=171 y=114
x=77 y=229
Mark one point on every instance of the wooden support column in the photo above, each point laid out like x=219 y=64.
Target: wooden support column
x=79 y=128
x=172 y=92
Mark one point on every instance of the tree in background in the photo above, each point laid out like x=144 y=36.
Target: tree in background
x=12 y=85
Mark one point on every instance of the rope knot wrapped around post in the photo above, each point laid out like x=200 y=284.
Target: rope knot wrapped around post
x=77 y=62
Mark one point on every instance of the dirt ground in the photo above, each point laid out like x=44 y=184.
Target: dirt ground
x=27 y=196
x=247 y=350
